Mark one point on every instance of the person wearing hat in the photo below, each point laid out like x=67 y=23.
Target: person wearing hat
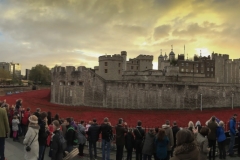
x=31 y=139
x=4 y=129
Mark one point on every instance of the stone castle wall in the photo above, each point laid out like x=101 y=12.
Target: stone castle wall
x=84 y=87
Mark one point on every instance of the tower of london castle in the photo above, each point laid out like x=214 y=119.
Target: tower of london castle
x=178 y=83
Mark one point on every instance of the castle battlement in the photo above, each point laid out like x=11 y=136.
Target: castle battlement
x=115 y=57
x=67 y=69
x=216 y=55
x=145 y=57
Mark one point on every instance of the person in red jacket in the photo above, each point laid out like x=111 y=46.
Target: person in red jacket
x=25 y=115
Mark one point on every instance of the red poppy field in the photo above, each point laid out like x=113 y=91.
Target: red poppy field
x=149 y=118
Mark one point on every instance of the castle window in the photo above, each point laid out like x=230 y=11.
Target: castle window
x=182 y=70
x=202 y=71
x=132 y=61
x=137 y=68
x=131 y=67
x=62 y=83
x=106 y=71
x=70 y=83
x=186 y=70
x=119 y=72
x=182 y=64
x=196 y=65
x=211 y=69
x=106 y=63
x=202 y=65
x=119 y=64
x=207 y=69
x=197 y=71
x=207 y=75
x=137 y=62
x=186 y=64
x=80 y=83
x=191 y=70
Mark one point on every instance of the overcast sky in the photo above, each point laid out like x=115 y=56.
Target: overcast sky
x=76 y=32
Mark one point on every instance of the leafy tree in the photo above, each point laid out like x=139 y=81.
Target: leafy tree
x=40 y=74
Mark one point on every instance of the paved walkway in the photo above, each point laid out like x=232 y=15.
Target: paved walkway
x=15 y=151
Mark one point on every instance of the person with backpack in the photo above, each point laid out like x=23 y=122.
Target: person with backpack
x=107 y=135
x=82 y=138
x=57 y=146
x=70 y=135
x=93 y=137
x=139 y=140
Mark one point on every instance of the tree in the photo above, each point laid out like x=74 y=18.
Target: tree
x=40 y=74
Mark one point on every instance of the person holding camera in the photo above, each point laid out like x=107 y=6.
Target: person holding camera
x=31 y=139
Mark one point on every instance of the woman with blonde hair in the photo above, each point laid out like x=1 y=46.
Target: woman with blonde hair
x=31 y=139
x=190 y=126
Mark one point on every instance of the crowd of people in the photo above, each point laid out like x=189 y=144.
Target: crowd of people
x=40 y=130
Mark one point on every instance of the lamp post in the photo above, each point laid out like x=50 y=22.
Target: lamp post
x=201 y=101
x=232 y=100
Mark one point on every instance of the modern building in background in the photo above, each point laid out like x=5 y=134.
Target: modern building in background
x=13 y=68
x=27 y=74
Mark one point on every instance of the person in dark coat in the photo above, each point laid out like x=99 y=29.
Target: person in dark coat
x=175 y=130
x=42 y=134
x=93 y=137
x=56 y=146
x=18 y=104
x=212 y=137
x=49 y=117
x=148 y=147
x=37 y=113
x=107 y=135
x=129 y=144
x=69 y=136
x=121 y=129
x=139 y=137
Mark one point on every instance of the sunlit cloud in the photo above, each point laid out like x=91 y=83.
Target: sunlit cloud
x=77 y=32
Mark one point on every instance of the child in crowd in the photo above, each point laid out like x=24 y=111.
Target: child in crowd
x=15 y=123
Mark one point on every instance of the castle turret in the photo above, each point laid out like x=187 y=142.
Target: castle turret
x=124 y=65
x=171 y=55
x=110 y=67
x=160 y=60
